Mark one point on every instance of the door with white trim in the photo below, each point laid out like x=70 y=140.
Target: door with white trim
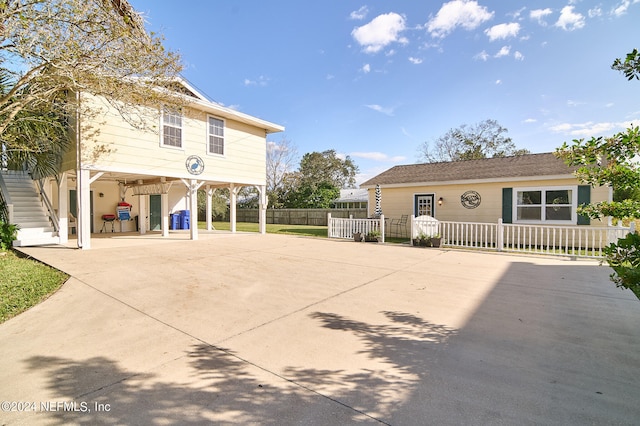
x=423 y=205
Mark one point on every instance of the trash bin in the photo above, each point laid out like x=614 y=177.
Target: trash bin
x=184 y=219
x=175 y=221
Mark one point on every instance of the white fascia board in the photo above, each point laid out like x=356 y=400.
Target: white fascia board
x=219 y=110
x=472 y=181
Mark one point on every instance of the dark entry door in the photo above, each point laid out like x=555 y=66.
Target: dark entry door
x=155 y=212
x=73 y=205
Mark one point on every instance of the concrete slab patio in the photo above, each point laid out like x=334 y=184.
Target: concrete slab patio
x=271 y=329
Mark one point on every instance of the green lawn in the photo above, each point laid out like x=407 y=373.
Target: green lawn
x=25 y=283
x=304 y=230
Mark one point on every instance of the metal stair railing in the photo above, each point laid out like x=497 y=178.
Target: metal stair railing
x=53 y=217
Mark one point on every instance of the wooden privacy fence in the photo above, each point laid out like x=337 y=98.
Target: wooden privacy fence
x=575 y=241
x=316 y=217
x=346 y=227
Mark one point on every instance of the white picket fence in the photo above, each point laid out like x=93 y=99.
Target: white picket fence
x=345 y=228
x=573 y=241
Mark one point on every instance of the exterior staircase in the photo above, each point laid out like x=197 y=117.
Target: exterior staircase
x=28 y=210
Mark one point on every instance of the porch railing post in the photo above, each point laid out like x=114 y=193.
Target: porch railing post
x=329 y=225
x=500 y=236
x=382 y=226
x=413 y=234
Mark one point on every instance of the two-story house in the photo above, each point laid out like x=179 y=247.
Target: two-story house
x=143 y=177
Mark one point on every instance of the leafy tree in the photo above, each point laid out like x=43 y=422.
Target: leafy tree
x=326 y=166
x=319 y=179
x=51 y=49
x=219 y=204
x=36 y=138
x=280 y=162
x=613 y=161
x=630 y=66
x=485 y=139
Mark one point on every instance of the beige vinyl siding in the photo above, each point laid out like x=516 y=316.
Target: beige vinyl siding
x=398 y=201
x=121 y=148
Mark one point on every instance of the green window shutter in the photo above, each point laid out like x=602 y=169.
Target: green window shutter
x=584 y=197
x=507 y=205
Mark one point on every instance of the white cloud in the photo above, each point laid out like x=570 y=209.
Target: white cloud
x=595 y=12
x=590 y=128
x=330 y=76
x=381 y=109
x=539 y=15
x=415 y=60
x=483 y=56
x=380 y=32
x=261 y=81
x=366 y=68
x=569 y=20
x=517 y=13
x=504 y=51
x=458 y=13
x=378 y=156
x=518 y=56
x=359 y=14
x=502 y=31
x=498 y=82
x=530 y=120
x=572 y=103
x=623 y=7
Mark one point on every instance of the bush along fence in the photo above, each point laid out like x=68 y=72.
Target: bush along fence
x=571 y=241
x=344 y=228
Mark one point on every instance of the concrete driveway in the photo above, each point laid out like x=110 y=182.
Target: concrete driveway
x=271 y=329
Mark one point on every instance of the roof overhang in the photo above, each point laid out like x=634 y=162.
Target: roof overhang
x=471 y=181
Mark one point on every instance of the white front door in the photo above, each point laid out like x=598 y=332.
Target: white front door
x=423 y=205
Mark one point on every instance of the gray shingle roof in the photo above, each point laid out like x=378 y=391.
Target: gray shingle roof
x=530 y=165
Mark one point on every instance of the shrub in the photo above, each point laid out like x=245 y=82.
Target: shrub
x=8 y=234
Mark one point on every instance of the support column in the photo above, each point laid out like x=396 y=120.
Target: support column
x=233 y=198
x=63 y=209
x=193 y=208
x=84 y=208
x=142 y=212
x=209 y=192
x=164 y=207
x=262 y=209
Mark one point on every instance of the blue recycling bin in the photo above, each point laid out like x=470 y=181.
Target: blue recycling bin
x=184 y=219
x=175 y=221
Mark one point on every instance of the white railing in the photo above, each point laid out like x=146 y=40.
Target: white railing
x=5 y=199
x=345 y=228
x=574 y=241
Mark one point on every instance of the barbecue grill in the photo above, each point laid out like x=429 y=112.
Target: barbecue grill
x=107 y=218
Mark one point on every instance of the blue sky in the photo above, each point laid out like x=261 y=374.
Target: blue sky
x=376 y=79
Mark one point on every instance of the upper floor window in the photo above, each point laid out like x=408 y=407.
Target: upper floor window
x=172 y=128
x=553 y=204
x=216 y=136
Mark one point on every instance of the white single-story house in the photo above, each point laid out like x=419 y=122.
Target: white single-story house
x=143 y=177
x=351 y=198
x=528 y=189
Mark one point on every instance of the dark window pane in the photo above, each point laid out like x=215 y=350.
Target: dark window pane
x=558 y=197
x=529 y=197
x=529 y=213
x=558 y=213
